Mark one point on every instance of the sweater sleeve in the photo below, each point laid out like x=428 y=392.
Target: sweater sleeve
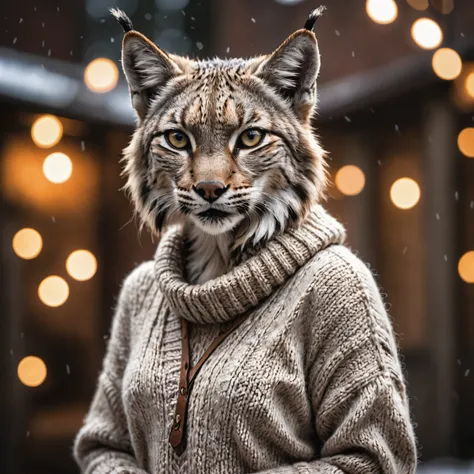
x=103 y=444
x=355 y=382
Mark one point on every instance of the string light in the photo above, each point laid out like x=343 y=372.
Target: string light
x=81 y=265
x=32 y=371
x=53 y=291
x=27 y=243
x=447 y=63
x=466 y=142
x=469 y=84
x=466 y=267
x=405 y=193
x=350 y=180
x=101 y=75
x=57 y=167
x=382 y=11
x=426 y=33
x=46 y=131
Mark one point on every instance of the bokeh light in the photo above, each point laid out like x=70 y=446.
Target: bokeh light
x=53 y=291
x=405 y=193
x=381 y=11
x=426 y=33
x=446 y=63
x=32 y=371
x=466 y=142
x=469 y=84
x=101 y=75
x=443 y=6
x=419 y=5
x=350 y=180
x=46 y=131
x=466 y=267
x=57 y=167
x=27 y=243
x=81 y=265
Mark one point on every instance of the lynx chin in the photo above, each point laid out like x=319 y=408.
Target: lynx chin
x=223 y=146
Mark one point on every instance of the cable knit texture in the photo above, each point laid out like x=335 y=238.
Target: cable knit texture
x=309 y=383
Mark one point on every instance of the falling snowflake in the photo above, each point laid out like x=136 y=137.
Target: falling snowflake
x=49 y=52
x=228 y=49
x=148 y=16
x=456 y=196
x=112 y=40
x=445 y=258
x=405 y=250
x=347 y=119
x=192 y=18
x=437 y=216
x=353 y=54
x=68 y=370
x=183 y=12
x=102 y=21
x=21 y=20
x=253 y=20
x=199 y=45
x=338 y=33
x=14 y=40
x=53 y=219
x=83 y=146
x=466 y=373
x=397 y=129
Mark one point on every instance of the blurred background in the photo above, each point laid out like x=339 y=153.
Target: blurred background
x=396 y=112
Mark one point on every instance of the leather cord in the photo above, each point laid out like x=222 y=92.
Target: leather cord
x=187 y=376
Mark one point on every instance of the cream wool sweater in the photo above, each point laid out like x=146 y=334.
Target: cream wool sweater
x=309 y=383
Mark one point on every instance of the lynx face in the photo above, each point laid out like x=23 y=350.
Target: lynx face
x=225 y=145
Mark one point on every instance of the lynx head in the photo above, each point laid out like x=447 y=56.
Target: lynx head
x=224 y=144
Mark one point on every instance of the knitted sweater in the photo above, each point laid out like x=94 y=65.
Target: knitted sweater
x=309 y=383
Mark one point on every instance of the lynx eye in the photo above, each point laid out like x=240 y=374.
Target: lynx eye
x=251 y=138
x=177 y=139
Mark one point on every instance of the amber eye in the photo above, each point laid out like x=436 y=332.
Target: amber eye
x=177 y=139
x=251 y=138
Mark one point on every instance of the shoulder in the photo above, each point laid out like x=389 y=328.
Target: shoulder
x=137 y=284
x=347 y=311
x=337 y=271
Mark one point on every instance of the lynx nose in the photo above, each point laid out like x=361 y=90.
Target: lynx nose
x=210 y=190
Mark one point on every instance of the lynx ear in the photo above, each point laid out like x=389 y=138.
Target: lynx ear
x=294 y=67
x=146 y=67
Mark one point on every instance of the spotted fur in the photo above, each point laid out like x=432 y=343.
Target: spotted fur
x=267 y=188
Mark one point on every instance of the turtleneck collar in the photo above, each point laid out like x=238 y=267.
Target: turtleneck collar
x=246 y=285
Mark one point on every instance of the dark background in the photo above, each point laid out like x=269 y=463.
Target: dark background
x=381 y=108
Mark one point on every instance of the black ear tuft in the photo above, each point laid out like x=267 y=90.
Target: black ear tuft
x=313 y=16
x=123 y=19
